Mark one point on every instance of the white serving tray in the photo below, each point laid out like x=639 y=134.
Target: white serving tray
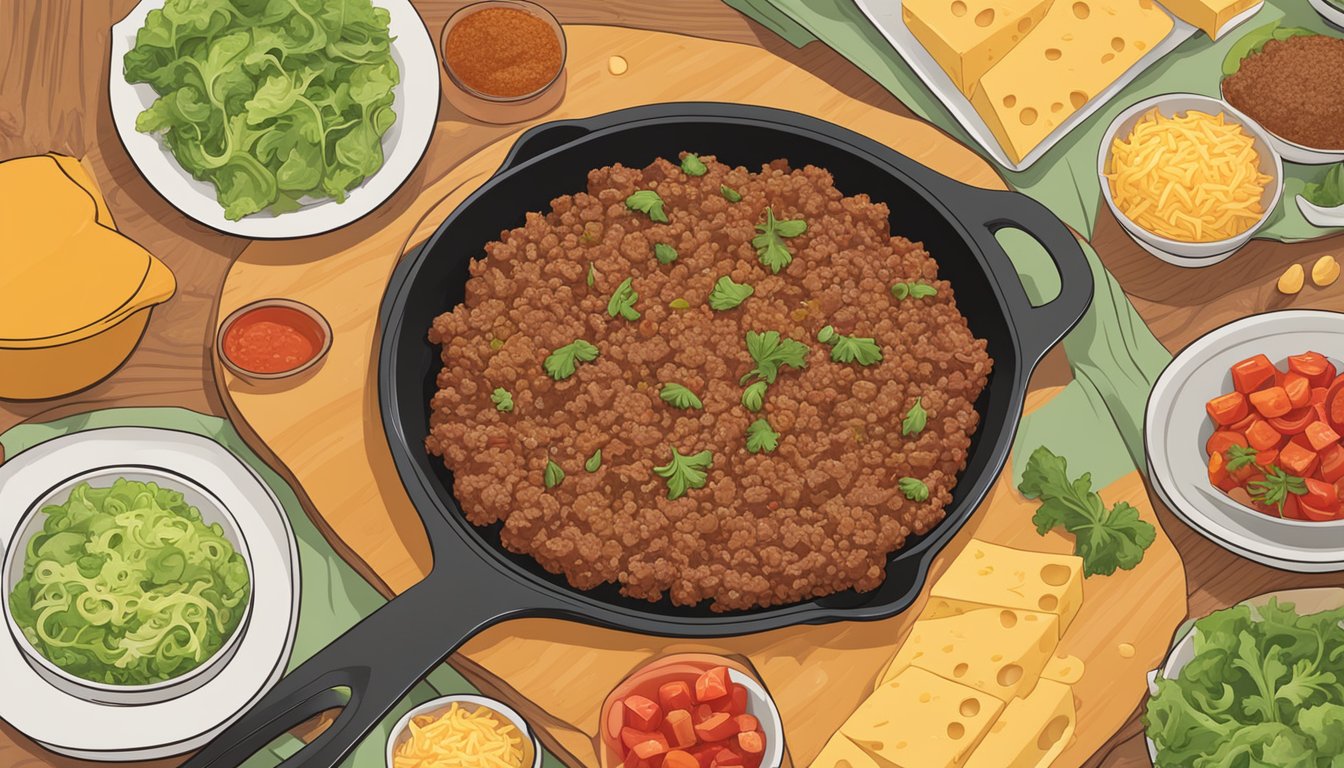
x=886 y=16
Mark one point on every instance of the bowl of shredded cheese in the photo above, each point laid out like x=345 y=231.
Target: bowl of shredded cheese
x=463 y=732
x=1189 y=178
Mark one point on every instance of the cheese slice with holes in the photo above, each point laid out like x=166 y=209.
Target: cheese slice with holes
x=1209 y=15
x=919 y=720
x=999 y=651
x=840 y=752
x=1031 y=732
x=988 y=575
x=1078 y=49
x=967 y=37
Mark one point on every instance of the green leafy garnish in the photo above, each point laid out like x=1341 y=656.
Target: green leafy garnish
x=1105 y=540
x=664 y=253
x=684 y=472
x=770 y=352
x=913 y=290
x=502 y=399
x=753 y=397
x=691 y=166
x=553 y=475
x=594 y=462
x=769 y=244
x=913 y=488
x=270 y=103
x=727 y=294
x=850 y=349
x=915 y=419
x=679 y=396
x=1254 y=41
x=730 y=194
x=1329 y=193
x=1239 y=456
x=761 y=437
x=647 y=201
x=561 y=363
x=622 y=301
x=679 y=304
x=1276 y=486
x=592 y=275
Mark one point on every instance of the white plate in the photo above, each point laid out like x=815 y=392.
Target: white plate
x=886 y=16
x=77 y=728
x=1176 y=427
x=416 y=105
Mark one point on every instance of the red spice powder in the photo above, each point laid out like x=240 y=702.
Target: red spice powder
x=267 y=341
x=503 y=52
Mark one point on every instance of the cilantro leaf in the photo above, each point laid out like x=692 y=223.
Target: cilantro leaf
x=915 y=419
x=684 y=472
x=1239 y=456
x=561 y=363
x=622 y=301
x=728 y=294
x=692 y=166
x=770 y=352
x=913 y=290
x=647 y=201
x=769 y=244
x=594 y=462
x=664 y=253
x=913 y=488
x=502 y=399
x=730 y=194
x=553 y=475
x=850 y=349
x=592 y=275
x=1329 y=193
x=679 y=396
x=761 y=437
x=1106 y=540
x=753 y=397
x=1276 y=486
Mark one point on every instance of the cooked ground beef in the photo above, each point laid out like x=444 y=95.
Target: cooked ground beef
x=1294 y=88
x=818 y=515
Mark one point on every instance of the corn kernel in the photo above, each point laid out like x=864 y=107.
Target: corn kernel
x=1325 y=271
x=1291 y=281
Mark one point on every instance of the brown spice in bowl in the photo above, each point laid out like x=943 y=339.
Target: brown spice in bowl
x=503 y=52
x=1294 y=89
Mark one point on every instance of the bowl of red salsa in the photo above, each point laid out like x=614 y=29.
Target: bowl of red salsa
x=272 y=339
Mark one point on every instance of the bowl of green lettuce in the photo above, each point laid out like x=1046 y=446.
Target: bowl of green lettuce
x=1257 y=684
x=127 y=586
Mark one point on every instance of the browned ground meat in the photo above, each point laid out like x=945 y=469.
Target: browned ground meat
x=1295 y=88
x=818 y=515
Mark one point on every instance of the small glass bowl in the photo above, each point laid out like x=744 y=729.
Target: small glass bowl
x=502 y=110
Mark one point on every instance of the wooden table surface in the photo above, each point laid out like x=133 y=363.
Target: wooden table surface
x=53 y=97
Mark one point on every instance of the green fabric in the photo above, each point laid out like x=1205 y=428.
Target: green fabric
x=334 y=597
x=1065 y=179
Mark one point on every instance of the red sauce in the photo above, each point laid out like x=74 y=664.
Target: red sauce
x=272 y=340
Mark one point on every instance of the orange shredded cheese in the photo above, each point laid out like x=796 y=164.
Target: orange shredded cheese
x=1193 y=177
x=460 y=738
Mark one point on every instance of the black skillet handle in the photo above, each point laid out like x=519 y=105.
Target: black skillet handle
x=379 y=660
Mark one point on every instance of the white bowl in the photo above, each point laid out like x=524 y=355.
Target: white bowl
x=1329 y=11
x=400 y=731
x=762 y=707
x=1184 y=254
x=1320 y=216
x=1176 y=427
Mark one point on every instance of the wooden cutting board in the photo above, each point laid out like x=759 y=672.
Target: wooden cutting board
x=324 y=428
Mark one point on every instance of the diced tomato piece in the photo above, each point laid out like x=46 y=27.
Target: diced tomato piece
x=631 y=737
x=1247 y=472
x=1318 y=515
x=703 y=712
x=1334 y=405
x=1332 y=463
x=1227 y=409
x=616 y=720
x=712 y=684
x=679 y=728
x=747 y=723
x=641 y=713
x=727 y=757
x=1321 y=435
x=1297 y=460
x=1318 y=395
x=1223 y=439
x=717 y=728
x=705 y=754
x=677 y=758
x=1269 y=403
x=675 y=695
x=1244 y=424
x=1252 y=374
x=752 y=742
x=647 y=750
x=1321 y=495
x=1292 y=509
x=1295 y=421
x=1263 y=437
x=1314 y=366
x=737 y=704
x=1218 y=474
x=1266 y=458
x=1298 y=389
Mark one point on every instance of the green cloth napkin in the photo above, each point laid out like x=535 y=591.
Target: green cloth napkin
x=334 y=596
x=1065 y=179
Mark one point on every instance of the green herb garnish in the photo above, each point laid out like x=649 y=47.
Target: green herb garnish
x=769 y=244
x=761 y=437
x=1239 y=456
x=850 y=349
x=664 y=253
x=622 y=301
x=1329 y=193
x=679 y=396
x=913 y=290
x=691 y=166
x=770 y=352
x=915 y=419
x=684 y=472
x=1276 y=486
x=730 y=194
x=647 y=201
x=753 y=397
x=594 y=462
x=502 y=399
x=561 y=363
x=592 y=275
x=1105 y=540
x=913 y=488
x=679 y=304
x=553 y=475
x=728 y=294
x=1254 y=41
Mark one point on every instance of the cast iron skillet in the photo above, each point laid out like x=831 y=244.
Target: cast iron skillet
x=474 y=582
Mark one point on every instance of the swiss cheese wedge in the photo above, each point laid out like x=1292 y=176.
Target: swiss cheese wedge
x=987 y=575
x=999 y=651
x=840 y=752
x=966 y=37
x=1209 y=15
x=920 y=720
x=1078 y=49
x=1031 y=732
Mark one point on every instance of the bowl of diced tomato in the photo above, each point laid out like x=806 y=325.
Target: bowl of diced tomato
x=1244 y=433
x=691 y=711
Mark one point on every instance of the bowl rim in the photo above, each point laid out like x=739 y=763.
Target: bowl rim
x=1338 y=152
x=526 y=6
x=19 y=545
x=298 y=306
x=1179 y=248
x=478 y=702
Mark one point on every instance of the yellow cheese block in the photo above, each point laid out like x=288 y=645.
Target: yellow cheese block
x=919 y=720
x=1078 y=49
x=988 y=575
x=1209 y=15
x=840 y=752
x=999 y=651
x=966 y=37
x=1031 y=732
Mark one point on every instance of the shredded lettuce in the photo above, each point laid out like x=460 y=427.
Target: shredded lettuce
x=127 y=585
